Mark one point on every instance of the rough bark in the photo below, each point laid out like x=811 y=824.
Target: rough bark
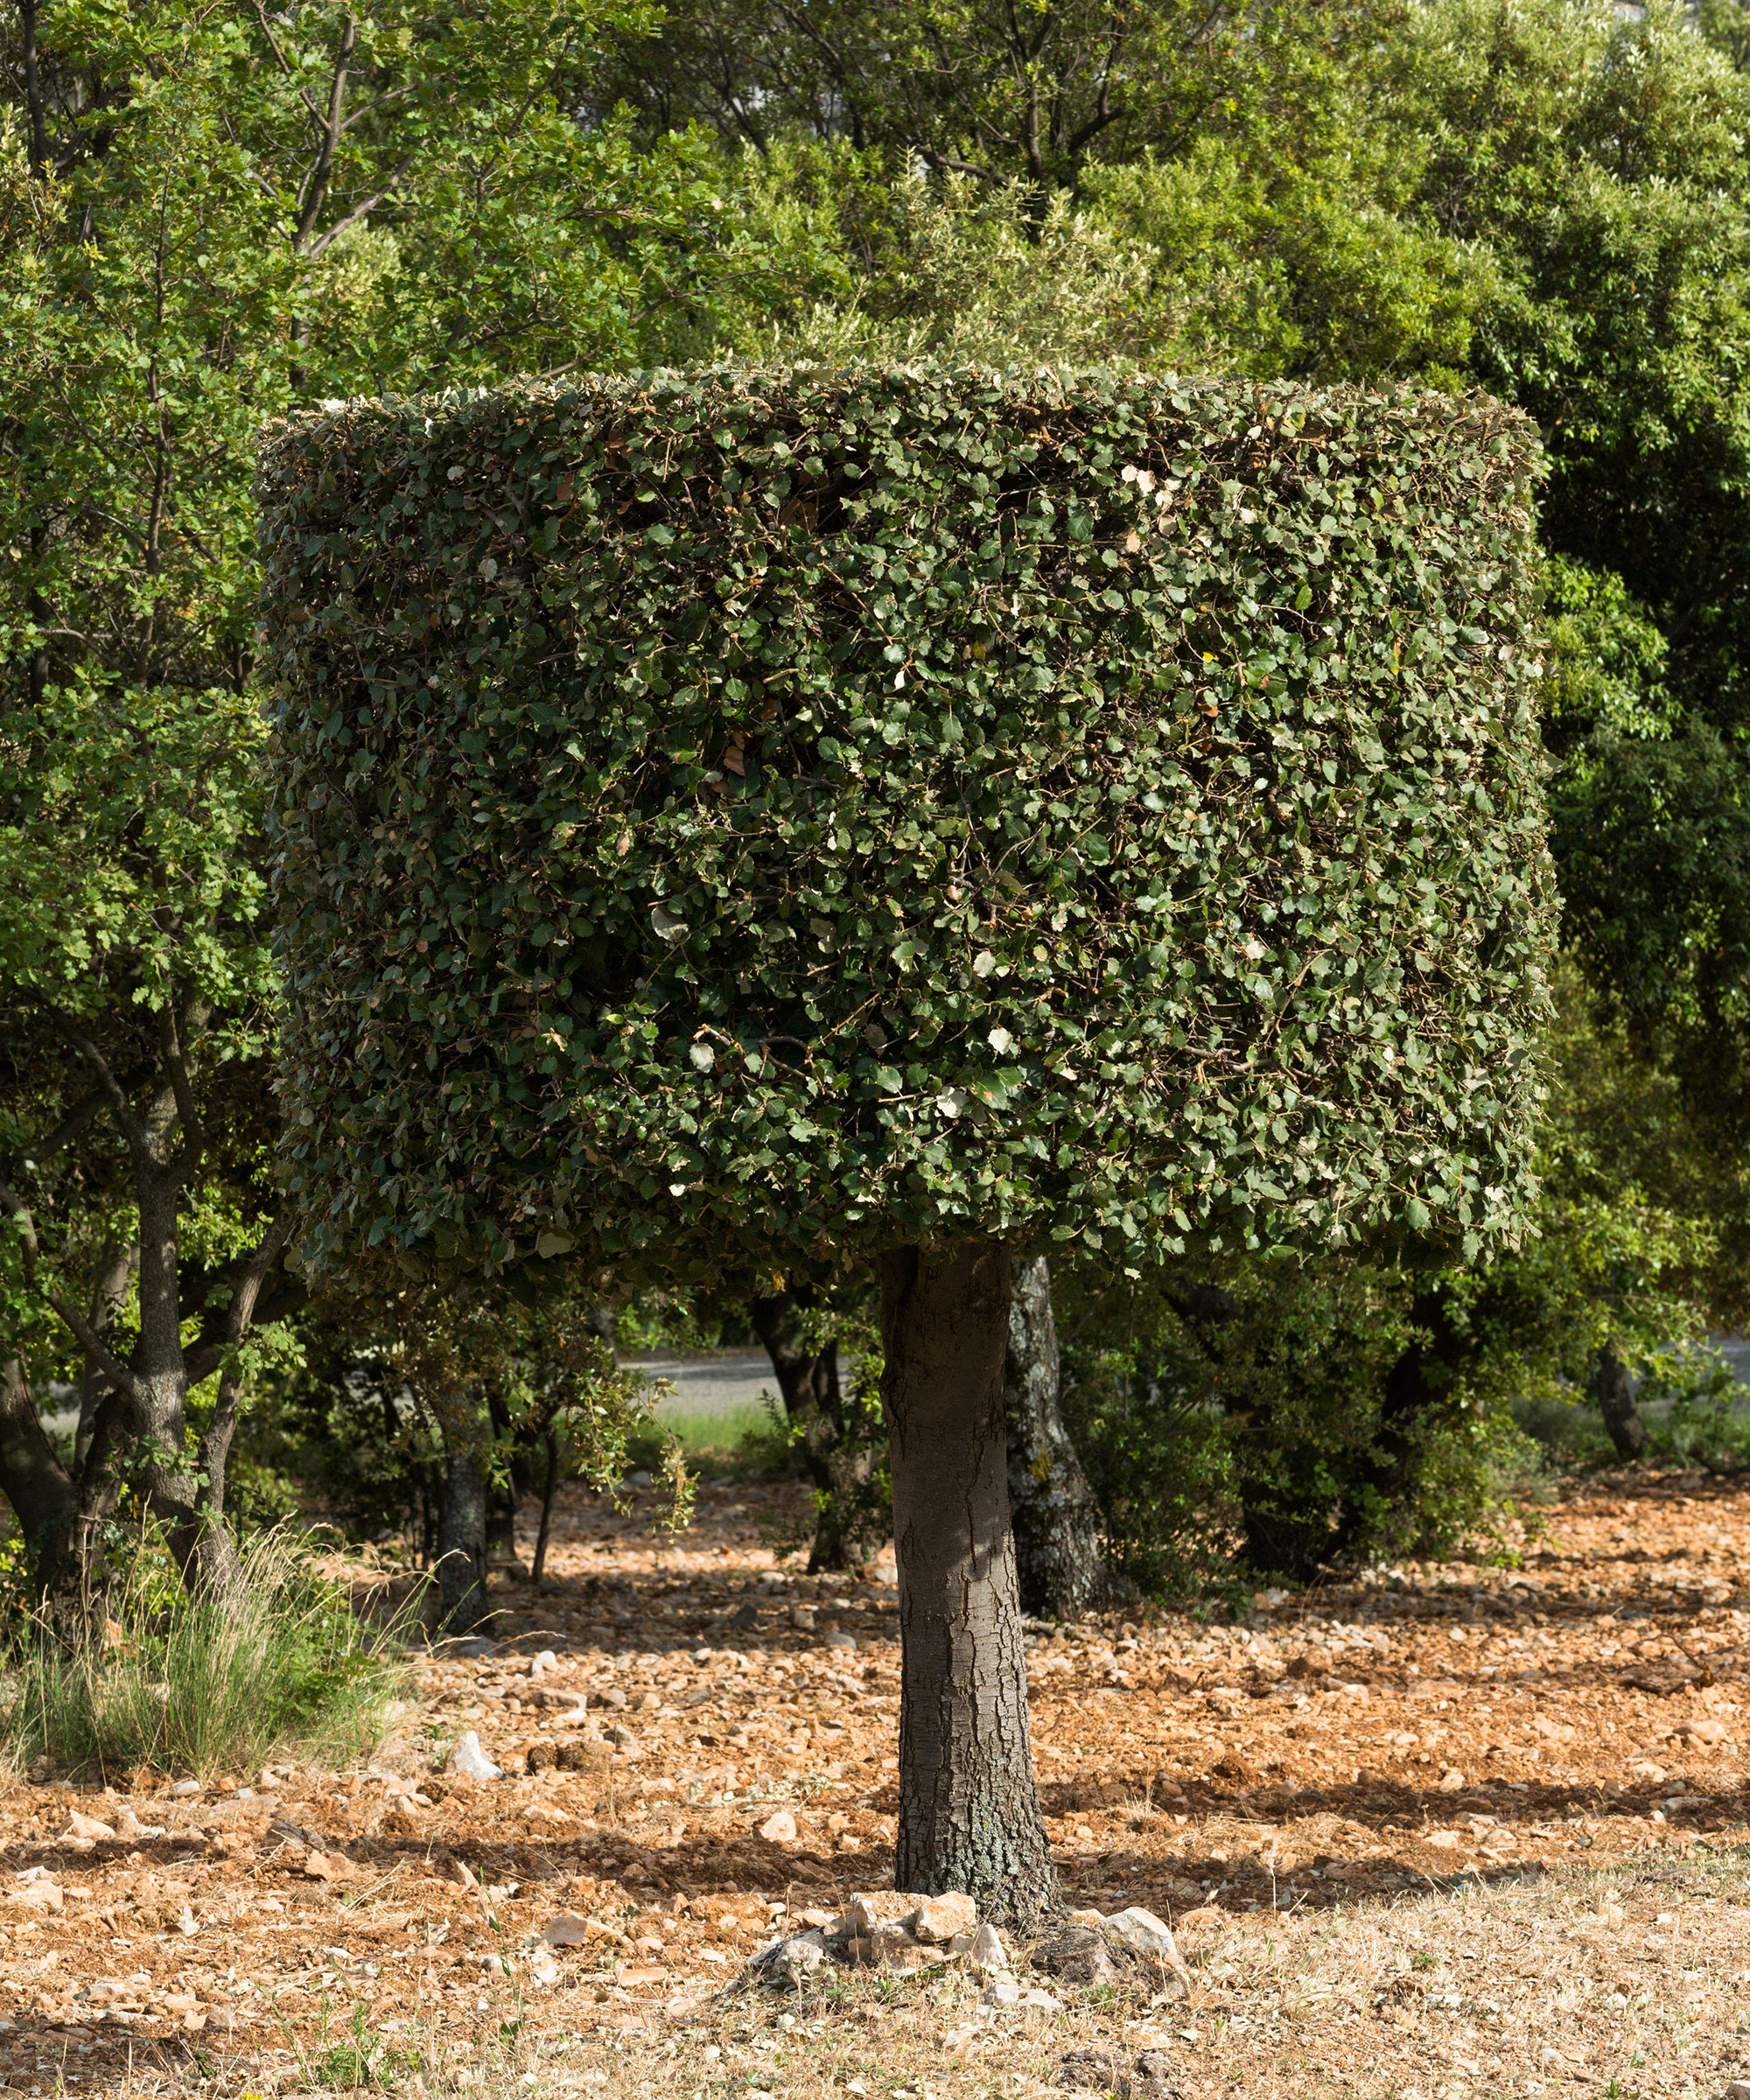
x=1613 y=1389
x=115 y=1268
x=145 y=1400
x=462 y=1603
x=44 y=1497
x=214 y=1549
x=203 y=1549
x=969 y=1814
x=1059 y=1565
x=837 y=1461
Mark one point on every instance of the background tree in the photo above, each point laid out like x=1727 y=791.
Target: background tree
x=466 y=1382
x=206 y=215
x=1059 y=1564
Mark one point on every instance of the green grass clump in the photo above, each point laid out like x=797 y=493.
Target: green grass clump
x=204 y=1685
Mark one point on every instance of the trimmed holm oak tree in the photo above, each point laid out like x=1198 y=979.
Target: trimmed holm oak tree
x=906 y=815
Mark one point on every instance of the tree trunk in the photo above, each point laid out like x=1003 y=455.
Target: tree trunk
x=43 y=1498
x=1417 y=1401
x=501 y=1523
x=115 y=1268
x=202 y=1548
x=549 y=1489
x=814 y=1402
x=969 y=1807
x=1614 y=1391
x=1059 y=1566
x=501 y=1493
x=462 y=1545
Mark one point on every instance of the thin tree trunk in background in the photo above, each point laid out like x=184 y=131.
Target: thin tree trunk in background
x=1058 y=1562
x=1613 y=1389
x=215 y=1549
x=115 y=1268
x=462 y=1603
x=969 y=1814
x=813 y=1403
x=549 y=1488
x=500 y=1494
x=203 y=1549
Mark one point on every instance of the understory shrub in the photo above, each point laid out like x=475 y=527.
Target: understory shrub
x=193 y=1685
x=1269 y=1419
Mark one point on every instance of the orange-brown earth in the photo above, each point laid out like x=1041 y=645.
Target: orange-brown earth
x=1412 y=1735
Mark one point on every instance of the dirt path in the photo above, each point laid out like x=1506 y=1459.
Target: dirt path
x=1451 y=1830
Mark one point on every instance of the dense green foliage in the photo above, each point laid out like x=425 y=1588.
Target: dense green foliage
x=1270 y=1418
x=738 y=816
x=209 y=216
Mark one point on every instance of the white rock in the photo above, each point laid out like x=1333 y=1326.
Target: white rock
x=989 y=1956
x=865 y=1918
x=539 y=1665
x=1144 y=1933
x=183 y=1788
x=470 y=1760
x=792 y=1958
x=938 y=1919
x=841 y=1639
x=779 y=1827
x=1011 y=1998
x=37 y=1895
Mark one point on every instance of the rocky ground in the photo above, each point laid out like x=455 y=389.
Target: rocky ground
x=1449 y=1830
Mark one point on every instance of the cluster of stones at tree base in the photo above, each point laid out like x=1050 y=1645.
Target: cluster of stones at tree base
x=1091 y=1948
x=896 y=1931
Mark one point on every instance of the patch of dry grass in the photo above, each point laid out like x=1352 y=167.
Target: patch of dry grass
x=1629 y=1985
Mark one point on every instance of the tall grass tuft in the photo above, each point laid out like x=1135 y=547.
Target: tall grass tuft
x=189 y=1685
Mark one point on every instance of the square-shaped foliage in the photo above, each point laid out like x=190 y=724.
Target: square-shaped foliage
x=728 y=815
